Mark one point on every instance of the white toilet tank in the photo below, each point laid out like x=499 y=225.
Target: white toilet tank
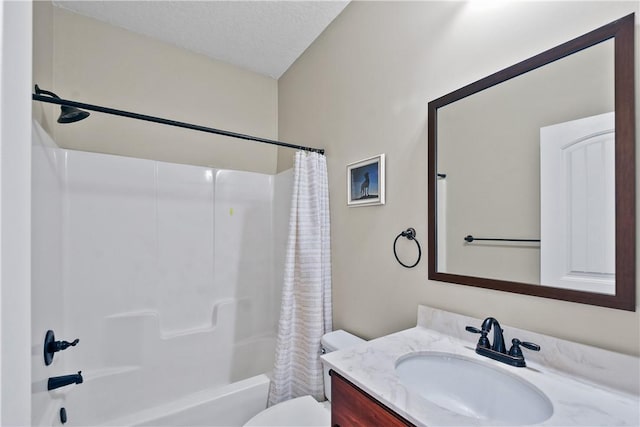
x=332 y=341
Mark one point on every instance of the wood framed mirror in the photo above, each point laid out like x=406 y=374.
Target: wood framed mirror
x=531 y=183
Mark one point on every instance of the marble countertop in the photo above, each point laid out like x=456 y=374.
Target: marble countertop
x=576 y=401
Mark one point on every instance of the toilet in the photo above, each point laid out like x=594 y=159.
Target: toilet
x=305 y=410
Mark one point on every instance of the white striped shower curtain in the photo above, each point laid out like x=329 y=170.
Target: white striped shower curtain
x=305 y=314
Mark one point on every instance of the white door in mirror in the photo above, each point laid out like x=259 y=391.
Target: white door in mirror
x=577 y=200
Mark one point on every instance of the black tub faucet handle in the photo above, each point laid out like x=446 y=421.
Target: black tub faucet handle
x=63 y=345
x=51 y=346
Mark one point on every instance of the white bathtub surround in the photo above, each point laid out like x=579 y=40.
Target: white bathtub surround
x=168 y=274
x=305 y=314
x=46 y=254
x=562 y=371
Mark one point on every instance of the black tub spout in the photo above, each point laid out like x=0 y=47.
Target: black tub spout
x=57 y=382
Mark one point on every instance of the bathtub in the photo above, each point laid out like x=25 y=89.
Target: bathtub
x=230 y=405
x=204 y=377
x=170 y=275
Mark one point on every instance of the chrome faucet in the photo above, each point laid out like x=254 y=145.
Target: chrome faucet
x=497 y=349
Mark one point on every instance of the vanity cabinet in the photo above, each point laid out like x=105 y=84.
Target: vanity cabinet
x=352 y=407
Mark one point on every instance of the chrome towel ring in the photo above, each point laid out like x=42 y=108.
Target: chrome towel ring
x=409 y=233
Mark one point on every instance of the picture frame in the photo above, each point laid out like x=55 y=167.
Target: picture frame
x=365 y=182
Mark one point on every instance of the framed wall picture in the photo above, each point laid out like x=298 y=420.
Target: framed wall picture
x=365 y=182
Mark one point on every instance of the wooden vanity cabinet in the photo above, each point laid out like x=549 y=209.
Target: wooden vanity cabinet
x=352 y=407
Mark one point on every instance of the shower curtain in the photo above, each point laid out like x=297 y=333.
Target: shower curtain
x=305 y=314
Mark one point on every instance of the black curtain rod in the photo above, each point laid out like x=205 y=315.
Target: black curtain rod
x=470 y=239
x=184 y=125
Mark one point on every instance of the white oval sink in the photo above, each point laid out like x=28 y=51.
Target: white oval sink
x=473 y=389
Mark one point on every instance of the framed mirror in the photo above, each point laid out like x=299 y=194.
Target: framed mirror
x=532 y=175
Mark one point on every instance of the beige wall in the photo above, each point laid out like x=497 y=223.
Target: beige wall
x=362 y=89
x=85 y=60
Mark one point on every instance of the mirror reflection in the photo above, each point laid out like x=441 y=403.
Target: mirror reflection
x=490 y=161
x=532 y=175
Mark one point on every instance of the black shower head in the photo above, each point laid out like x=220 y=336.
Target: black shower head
x=67 y=114
x=71 y=114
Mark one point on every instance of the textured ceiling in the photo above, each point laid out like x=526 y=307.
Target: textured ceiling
x=261 y=36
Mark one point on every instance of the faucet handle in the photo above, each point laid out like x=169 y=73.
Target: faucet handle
x=52 y=346
x=515 y=350
x=530 y=346
x=63 y=345
x=483 y=341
